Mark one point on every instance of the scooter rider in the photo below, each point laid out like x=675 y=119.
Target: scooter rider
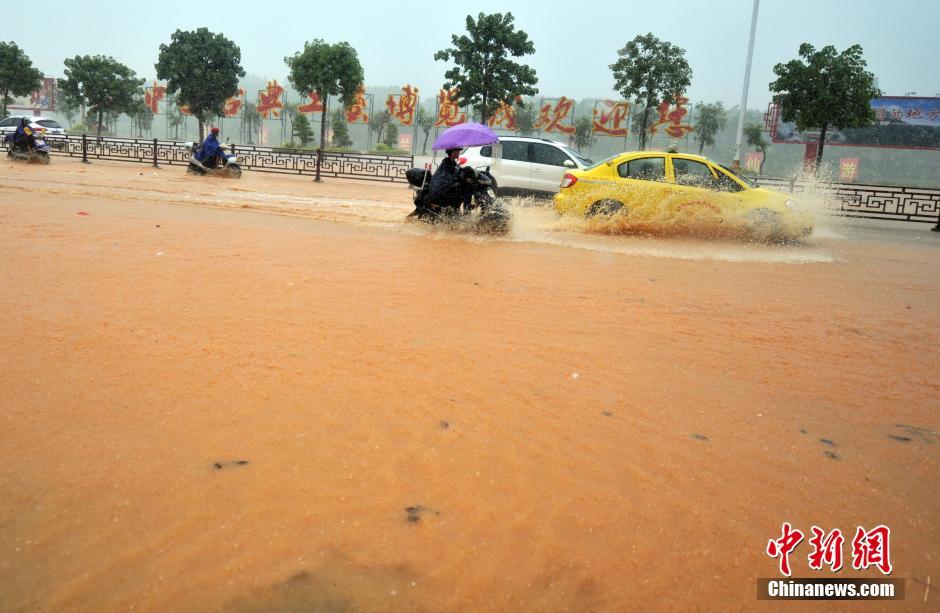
x=449 y=185
x=208 y=153
x=23 y=136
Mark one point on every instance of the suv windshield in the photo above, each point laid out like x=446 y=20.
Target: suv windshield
x=583 y=160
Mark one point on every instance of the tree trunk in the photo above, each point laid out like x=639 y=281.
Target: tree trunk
x=424 y=147
x=322 y=137
x=100 y=119
x=701 y=144
x=819 y=150
x=646 y=114
x=3 y=104
x=201 y=127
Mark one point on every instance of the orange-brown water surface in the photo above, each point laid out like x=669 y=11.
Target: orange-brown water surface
x=271 y=394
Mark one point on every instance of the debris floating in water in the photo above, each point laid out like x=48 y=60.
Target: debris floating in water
x=574 y=375
x=830 y=455
x=229 y=463
x=826 y=441
x=700 y=437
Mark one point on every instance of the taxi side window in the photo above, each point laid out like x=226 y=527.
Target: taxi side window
x=645 y=169
x=724 y=183
x=692 y=173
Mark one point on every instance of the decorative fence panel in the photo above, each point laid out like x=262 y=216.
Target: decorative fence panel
x=872 y=201
x=371 y=167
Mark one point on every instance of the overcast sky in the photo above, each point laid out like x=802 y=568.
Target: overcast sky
x=574 y=42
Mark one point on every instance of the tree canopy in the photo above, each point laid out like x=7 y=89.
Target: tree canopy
x=327 y=70
x=101 y=83
x=483 y=73
x=754 y=134
x=584 y=133
x=202 y=69
x=526 y=116
x=711 y=118
x=651 y=71
x=425 y=121
x=17 y=75
x=825 y=88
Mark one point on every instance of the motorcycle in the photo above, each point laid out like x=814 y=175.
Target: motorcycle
x=37 y=152
x=493 y=217
x=228 y=163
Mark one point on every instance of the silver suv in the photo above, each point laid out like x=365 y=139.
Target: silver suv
x=526 y=164
x=51 y=126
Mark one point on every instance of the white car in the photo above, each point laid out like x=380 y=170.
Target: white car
x=52 y=127
x=525 y=163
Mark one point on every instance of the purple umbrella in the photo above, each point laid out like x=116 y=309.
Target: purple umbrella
x=465 y=135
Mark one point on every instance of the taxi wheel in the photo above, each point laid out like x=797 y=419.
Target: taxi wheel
x=765 y=224
x=608 y=208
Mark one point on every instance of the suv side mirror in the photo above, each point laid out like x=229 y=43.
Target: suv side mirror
x=569 y=164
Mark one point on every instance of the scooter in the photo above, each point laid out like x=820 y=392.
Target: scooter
x=228 y=163
x=493 y=217
x=37 y=152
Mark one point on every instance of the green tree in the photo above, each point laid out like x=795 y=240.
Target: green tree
x=754 y=134
x=650 y=71
x=341 y=139
x=68 y=107
x=425 y=121
x=250 y=123
x=17 y=75
x=328 y=70
x=583 y=133
x=826 y=88
x=710 y=120
x=378 y=123
x=202 y=69
x=141 y=117
x=525 y=118
x=483 y=73
x=302 y=130
x=639 y=119
x=174 y=116
x=391 y=136
x=102 y=83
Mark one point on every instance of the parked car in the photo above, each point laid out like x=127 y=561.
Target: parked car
x=678 y=185
x=52 y=127
x=526 y=164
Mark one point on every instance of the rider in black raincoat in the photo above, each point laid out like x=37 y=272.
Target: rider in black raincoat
x=449 y=185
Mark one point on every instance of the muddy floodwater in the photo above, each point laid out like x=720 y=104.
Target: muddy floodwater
x=271 y=394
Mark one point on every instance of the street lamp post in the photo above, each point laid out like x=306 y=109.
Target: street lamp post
x=736 y=164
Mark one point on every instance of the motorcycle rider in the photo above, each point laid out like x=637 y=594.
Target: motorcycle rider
x=23 y=138
x=208 y=154
x=450 y=185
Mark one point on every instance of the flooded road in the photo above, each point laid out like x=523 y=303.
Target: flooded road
x=270 y=394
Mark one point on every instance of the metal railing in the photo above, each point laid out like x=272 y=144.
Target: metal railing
x=871 y=201
x=371 y=167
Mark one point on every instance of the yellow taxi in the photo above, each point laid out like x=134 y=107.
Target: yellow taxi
x=648 y=189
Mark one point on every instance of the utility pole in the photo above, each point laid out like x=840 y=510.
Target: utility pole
x=736 y=164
